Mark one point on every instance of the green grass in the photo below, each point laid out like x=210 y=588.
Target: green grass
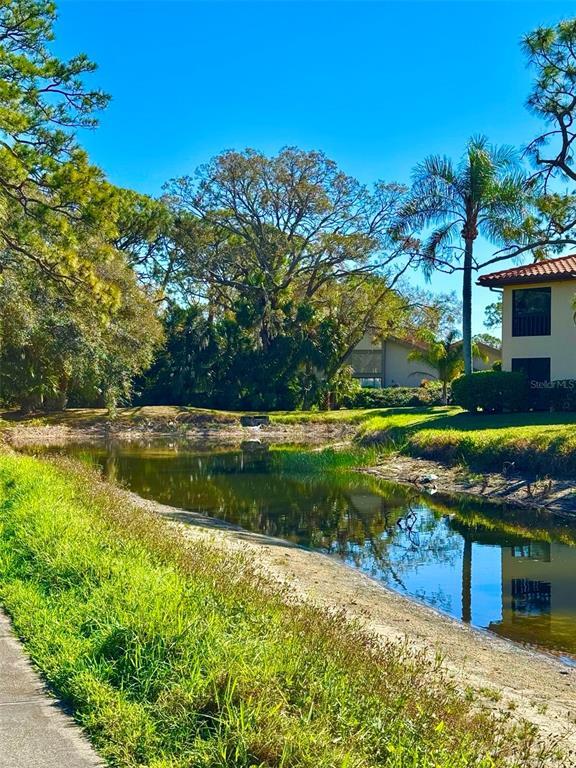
x=172 y=657
x=538 y=444
x=176 y=415
x=294 y=460
x=343 y=416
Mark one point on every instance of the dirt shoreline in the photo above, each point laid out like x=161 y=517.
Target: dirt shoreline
x=551 y=495
x=22 y=436
x=516 y=682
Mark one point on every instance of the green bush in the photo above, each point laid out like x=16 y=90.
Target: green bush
x=491 y=391
x=560 y=396
x=395 y=397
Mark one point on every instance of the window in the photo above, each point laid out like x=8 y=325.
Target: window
x=535 y=550
x=531 y=598
x=371 y=382
x=535 y=368
x=366 y=362
x=531 y=312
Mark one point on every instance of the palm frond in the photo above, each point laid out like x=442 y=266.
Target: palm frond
x=436 y=247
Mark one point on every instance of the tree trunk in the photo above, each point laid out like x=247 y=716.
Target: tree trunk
x=445 y=392
x=467 y=306
x=58 y=400
x=467 y=580
x=30 y=403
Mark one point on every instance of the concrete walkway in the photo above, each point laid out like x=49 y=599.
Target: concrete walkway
x=34 y=731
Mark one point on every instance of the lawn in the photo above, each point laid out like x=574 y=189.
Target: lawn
x=176 y=414
x=534 y=443
x=171 y=656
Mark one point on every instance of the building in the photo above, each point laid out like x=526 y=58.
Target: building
x=538 y=328
x=538 y=597
x=386 y=362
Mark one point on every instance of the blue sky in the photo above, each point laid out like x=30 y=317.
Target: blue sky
x=376 y=85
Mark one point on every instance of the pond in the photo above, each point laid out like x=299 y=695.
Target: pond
x=507 y=571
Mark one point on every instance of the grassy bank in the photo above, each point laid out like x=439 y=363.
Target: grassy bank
x=172 y=417
x=168 y=416
x=541 y=444
x=171 y=657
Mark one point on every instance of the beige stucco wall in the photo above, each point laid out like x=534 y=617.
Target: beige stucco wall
x=399 y=371
x=553 y=571
x=393 y=365
x=560 y=346
x=486 y=365
x=368 y=342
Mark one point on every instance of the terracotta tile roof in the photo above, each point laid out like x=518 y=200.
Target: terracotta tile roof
x=563 y=268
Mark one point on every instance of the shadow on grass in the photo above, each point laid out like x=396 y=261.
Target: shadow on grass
x=89 y=417
x=72 y=417
x=445 y=418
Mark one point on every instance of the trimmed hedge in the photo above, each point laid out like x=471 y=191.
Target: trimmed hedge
x=561 y=396
x=395 y=397
x=498 y=391
x=491 y=391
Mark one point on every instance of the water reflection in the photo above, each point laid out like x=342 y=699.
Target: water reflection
x=510 y=572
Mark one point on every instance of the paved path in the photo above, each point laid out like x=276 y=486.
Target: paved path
x=34 y=731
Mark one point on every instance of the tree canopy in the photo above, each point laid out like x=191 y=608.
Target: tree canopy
x=265 y=271
x=71 y=311
x=551 y=224
x=51 y=198
x=484 y=194
x=284 y=261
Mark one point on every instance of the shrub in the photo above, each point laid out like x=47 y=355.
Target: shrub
x=560 y=396
x=395 y=397
x=491 y=391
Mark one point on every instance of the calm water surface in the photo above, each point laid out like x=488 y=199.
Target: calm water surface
x=506 y=571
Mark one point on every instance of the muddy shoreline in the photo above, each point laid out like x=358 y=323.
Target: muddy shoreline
x=551 y=495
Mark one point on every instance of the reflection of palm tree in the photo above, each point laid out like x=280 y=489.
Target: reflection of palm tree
x=467 y=578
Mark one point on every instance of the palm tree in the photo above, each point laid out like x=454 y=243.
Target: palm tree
x=483 y=195
x=446 y=356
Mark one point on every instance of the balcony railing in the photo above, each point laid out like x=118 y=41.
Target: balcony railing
x=531 y=325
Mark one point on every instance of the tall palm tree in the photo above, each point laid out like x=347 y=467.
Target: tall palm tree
x=452 y=205
x=445 y=355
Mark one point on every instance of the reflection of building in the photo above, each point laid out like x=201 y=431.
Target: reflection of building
x=539 y=594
